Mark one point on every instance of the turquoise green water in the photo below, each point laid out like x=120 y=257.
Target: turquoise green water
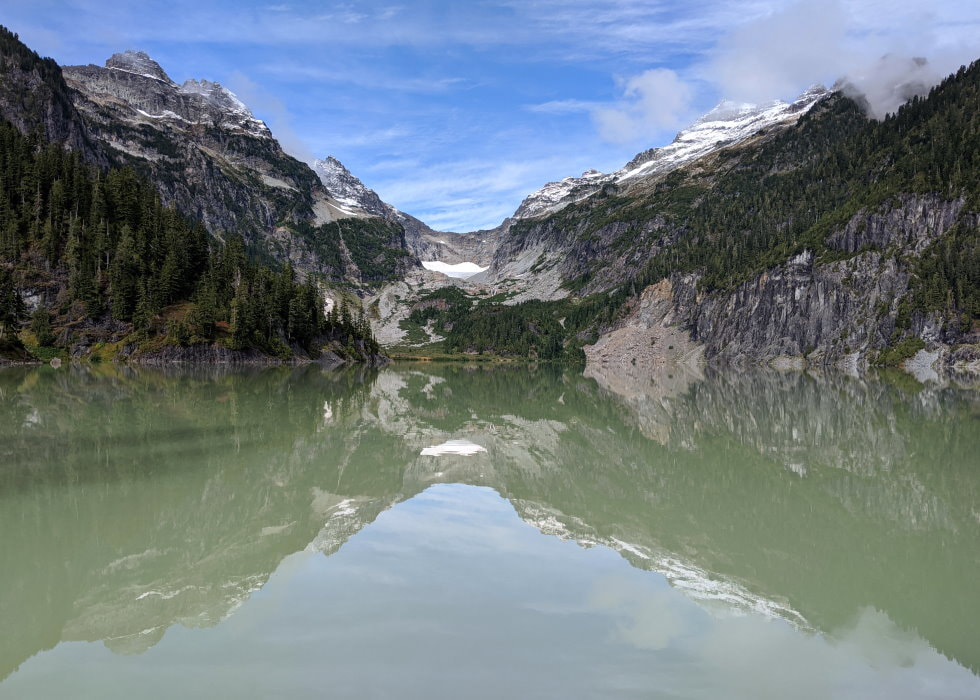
x=300 y=533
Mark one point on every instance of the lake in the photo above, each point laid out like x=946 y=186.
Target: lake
x=452 y=531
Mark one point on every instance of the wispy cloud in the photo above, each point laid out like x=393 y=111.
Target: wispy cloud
x=810 y=41
x=469 y=194
x=565 y=106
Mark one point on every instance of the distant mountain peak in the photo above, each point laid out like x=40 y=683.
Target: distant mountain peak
x=348 y=190
x=139 y=63
x=142 y=84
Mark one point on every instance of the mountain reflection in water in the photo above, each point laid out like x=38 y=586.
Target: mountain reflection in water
x=134 y=500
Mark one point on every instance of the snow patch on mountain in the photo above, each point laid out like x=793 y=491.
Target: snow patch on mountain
x=727 y=124
x=463 y=270
x=225 y=101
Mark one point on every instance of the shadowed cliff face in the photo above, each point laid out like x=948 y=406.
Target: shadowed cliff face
x=34 y=98
x=133 y=500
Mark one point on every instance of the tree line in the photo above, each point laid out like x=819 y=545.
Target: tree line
x=104 y=247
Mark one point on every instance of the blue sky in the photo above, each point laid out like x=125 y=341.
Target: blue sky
x=454 y=111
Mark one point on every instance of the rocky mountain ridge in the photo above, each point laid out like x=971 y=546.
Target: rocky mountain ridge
x=729 y=123
x=33 y=96
x=214 y=104
x=813 y=242
x=208 y=155
x=424 y=242
x=672 y=213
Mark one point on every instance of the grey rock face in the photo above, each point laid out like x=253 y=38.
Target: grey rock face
x=348 y=190
x=801 y=309
x=137 y=62
x=912 y=225
x=137 y=80
x=829 y=311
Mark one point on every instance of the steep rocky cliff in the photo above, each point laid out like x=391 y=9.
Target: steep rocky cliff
x=803 y=311
x=214 y=160
x=806 y=311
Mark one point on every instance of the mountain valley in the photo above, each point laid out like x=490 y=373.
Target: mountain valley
x=796 y=234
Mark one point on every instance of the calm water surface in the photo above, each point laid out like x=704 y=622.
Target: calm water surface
x=451 y=532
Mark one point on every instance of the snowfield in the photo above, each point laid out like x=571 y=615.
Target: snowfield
x=461 y=270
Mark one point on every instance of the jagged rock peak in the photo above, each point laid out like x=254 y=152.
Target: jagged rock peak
x=140 y=63
x=348 y=190
x=330 y=165
x=555 y=195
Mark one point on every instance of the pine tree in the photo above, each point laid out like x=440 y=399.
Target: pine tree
x=11 y=305
x=41 y=326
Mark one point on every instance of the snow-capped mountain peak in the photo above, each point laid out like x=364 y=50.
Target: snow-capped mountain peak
x=556 y=195
x=727 y=124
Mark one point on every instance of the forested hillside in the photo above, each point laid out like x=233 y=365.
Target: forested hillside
x=846 y=193
x=206 y=155
x=108 y=264
x=798 y=189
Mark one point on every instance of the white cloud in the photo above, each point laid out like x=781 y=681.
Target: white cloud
x=870 y=43
x=653 y=102
x=886 y=84
x=776 y=55
x=354 y=75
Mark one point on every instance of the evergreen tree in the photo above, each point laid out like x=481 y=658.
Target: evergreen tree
x=41 y=326
x=11 y=305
